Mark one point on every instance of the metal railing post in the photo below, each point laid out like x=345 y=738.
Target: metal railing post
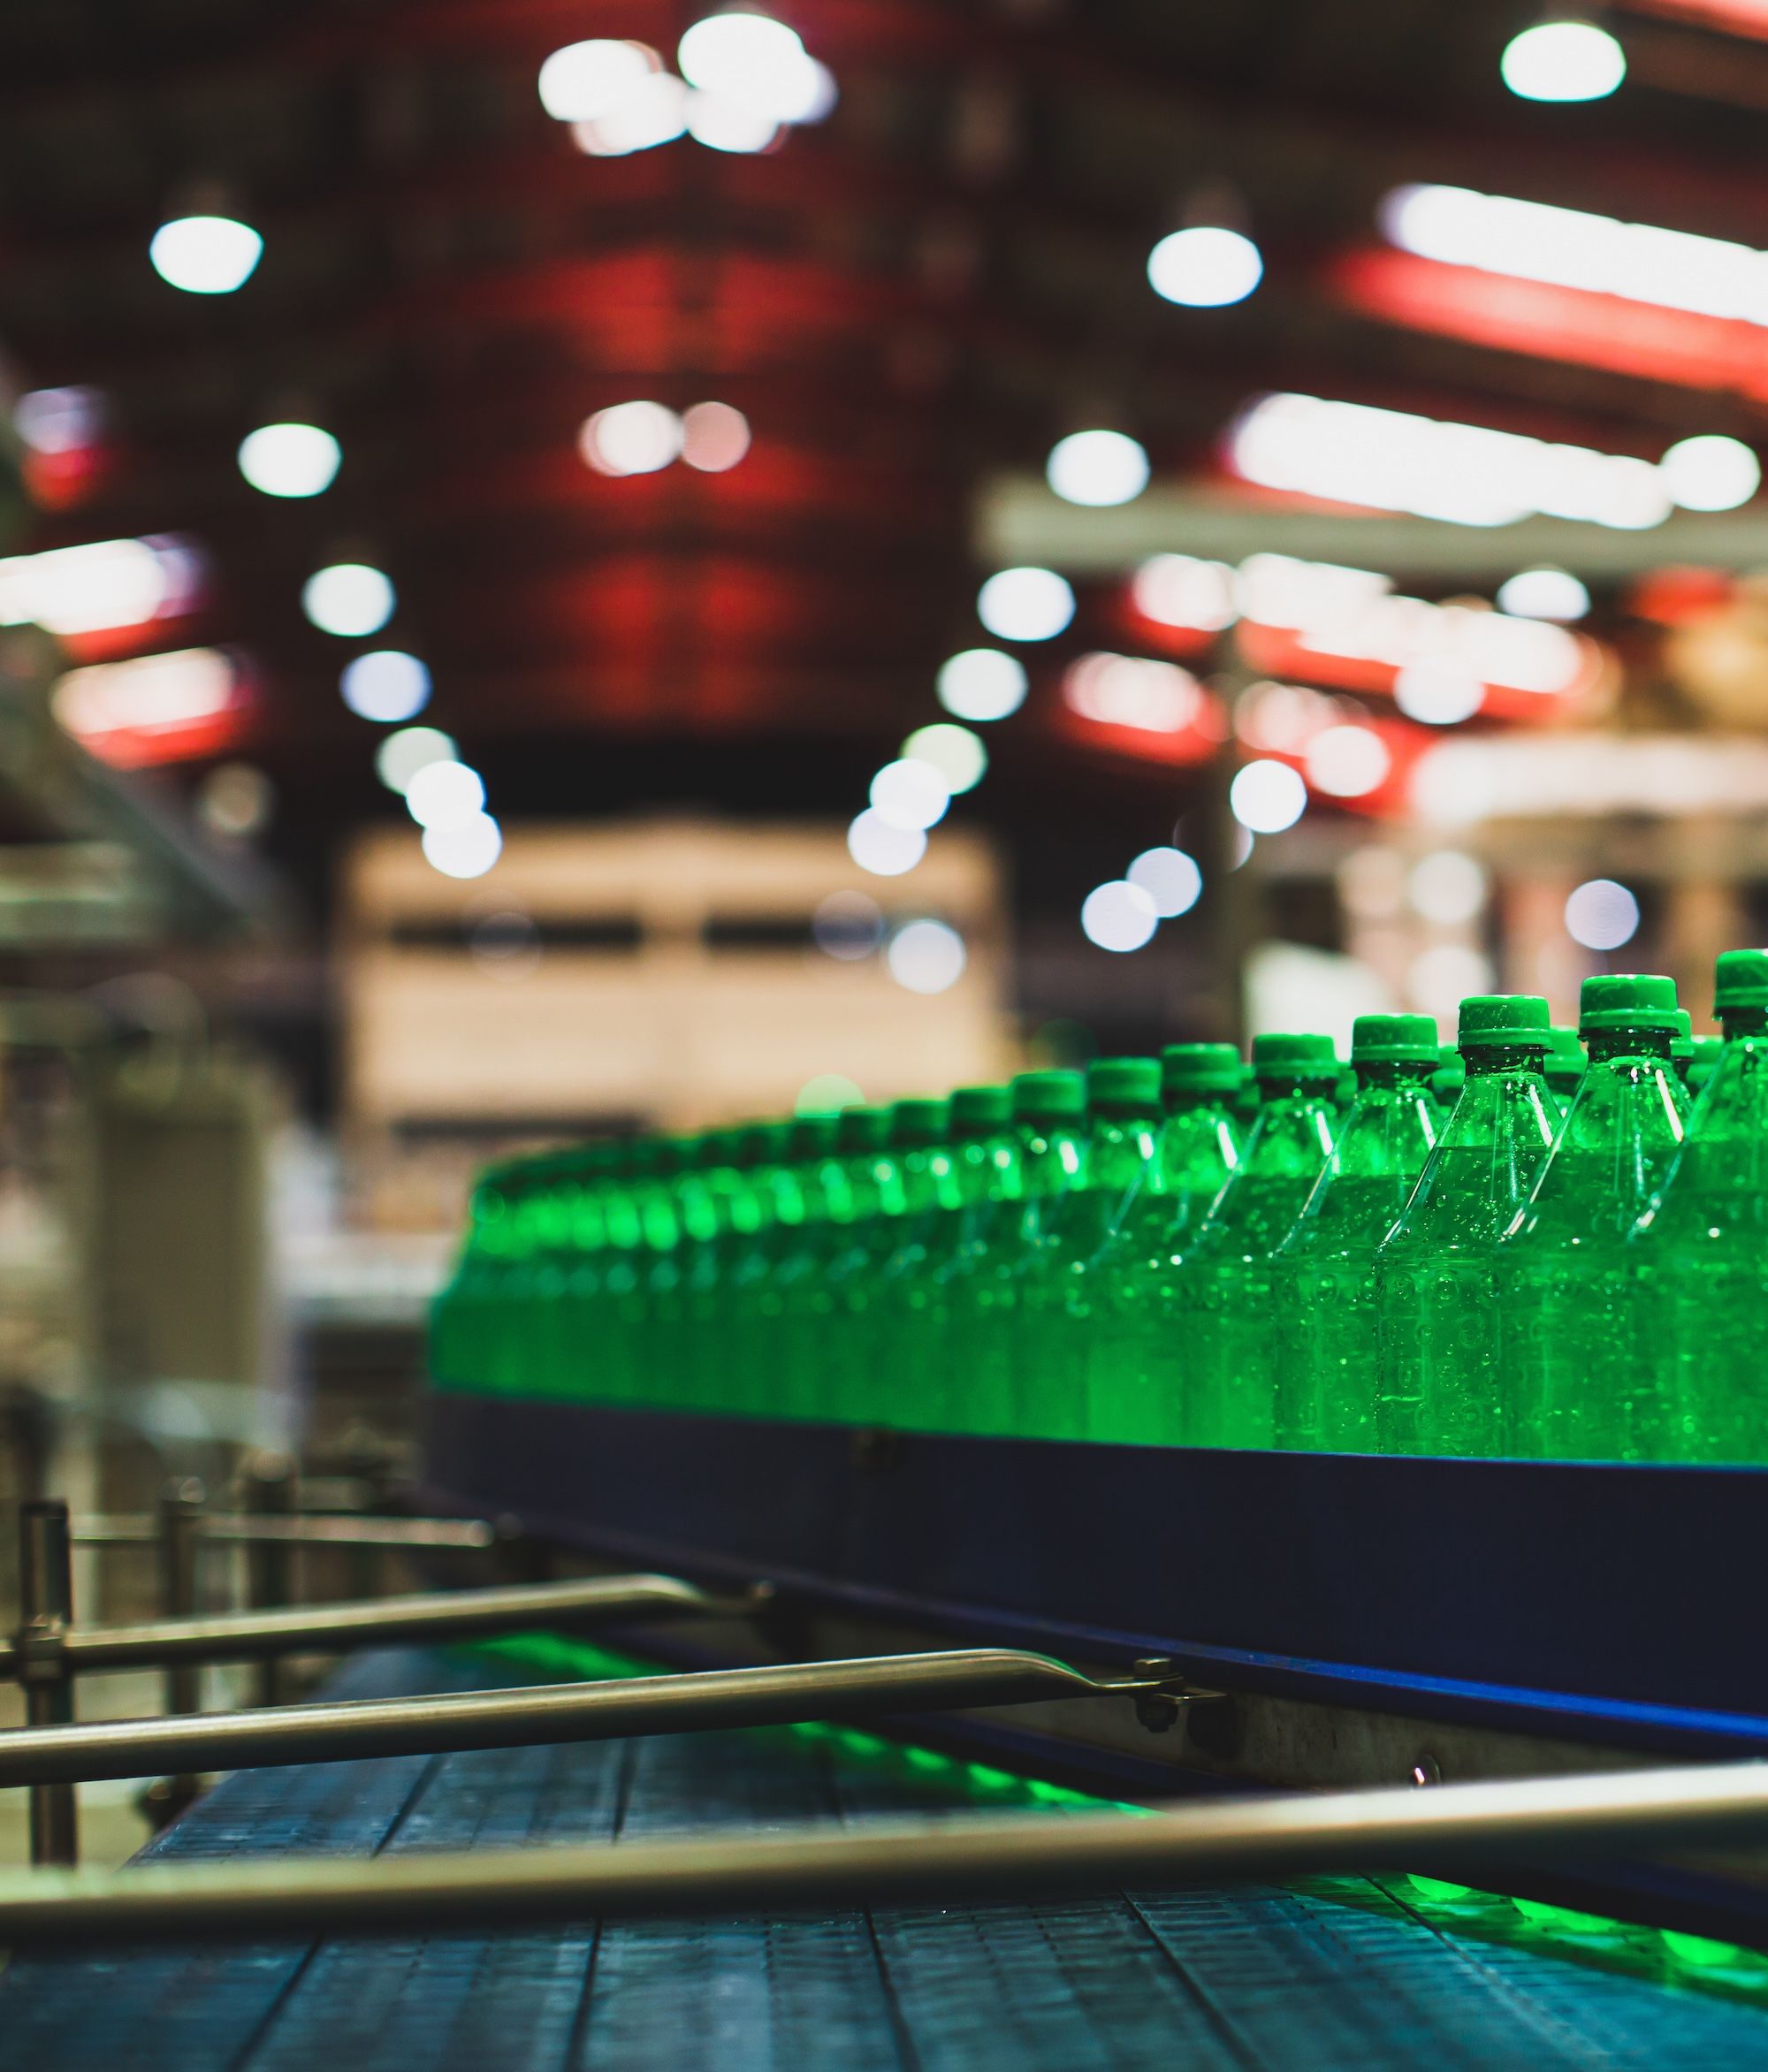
x=178 y=1538
x=269 y=1480
x=46 y=1608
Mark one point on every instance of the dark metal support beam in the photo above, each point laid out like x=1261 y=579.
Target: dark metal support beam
x=46 y=1608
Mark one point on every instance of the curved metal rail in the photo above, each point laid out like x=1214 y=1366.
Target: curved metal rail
x=533 y=1715
x=1009 y=1856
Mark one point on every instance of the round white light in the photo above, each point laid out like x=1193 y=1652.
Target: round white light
x=1602 y=915
x=585 y=81
x=385 y=685
x=982 y=684
x=1562 y=61
x=1440 y=978
x=654 y=112
x=1447 y=886
x=956 y=752
x=401 y=756
x=1347 y=762
x=1170 y=879
x=828 y=1095
x=724 y=124
x=847 y=925
x=1710 y=472
x=1438 y=695
x=466 y=849
x=205 y=255
x=1266 y=797
x=757 y=61
x=1544 y=593
x=884 y=851
x=910 y=793
x=1119 y=915
x=289 y=460
x=630 y=438
x=1205 y=267
x=349 y=599
x=445 y=793
x=1097 y=468
x=714 y=437
x=925 y=957
x=1025 y=603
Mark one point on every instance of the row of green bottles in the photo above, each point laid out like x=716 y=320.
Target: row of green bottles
x=1531 y=1254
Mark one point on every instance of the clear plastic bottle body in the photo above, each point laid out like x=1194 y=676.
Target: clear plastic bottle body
x=1321 y=1324
x=900 y=1390
x=1700 y=1255
x=1135 y=1363
x=840 y=1314
x=1437 y=1376
x=1580 y=1383
x=990 y=1181
x=1223 y=1280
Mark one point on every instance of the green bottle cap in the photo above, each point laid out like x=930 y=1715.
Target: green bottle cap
x=1564 y=1065
x=1450 y=1075
x=1393 y=1040
x=1500 y=1021
x=978 y=1111
x=920 y=1120
x=1289 y=1057
x=862 y=1129
x=1129 y=1086
x=1201 y=1068
x=1682 y=1043
x=763 y=1143
x=812 y=1136
x=1740 y=980
x=1049 y=1097
x=1615 y=999
x=645 y=1157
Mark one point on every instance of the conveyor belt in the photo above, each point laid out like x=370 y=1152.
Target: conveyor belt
x=1345 y=1976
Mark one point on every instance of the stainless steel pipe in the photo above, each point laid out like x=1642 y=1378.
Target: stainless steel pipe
x=1007 y=1856
x=243 y=1529
x=320 y=1630
x=544 y=1713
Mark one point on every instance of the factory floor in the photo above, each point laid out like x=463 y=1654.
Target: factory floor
x=1349 y=1973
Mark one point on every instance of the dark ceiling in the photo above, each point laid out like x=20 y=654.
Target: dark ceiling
x=923 y=291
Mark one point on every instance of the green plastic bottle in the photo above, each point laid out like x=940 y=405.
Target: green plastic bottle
x=1448 y=1079
x=723 y=1196
x=1048 y=1130
x=1134 y=1362
x=1224 y=1277
x=463 y=1318
x=1564 y=1067
x=1702 y=1246
x=896 y=1390
x=986 y=1174
x=1708 y=1052
x=1321 y=1321
x=655 y=1166
x=1438 y=1343
x=1056 y=1301
x=810 y=1148
x=750 y=1307
x=846 y=1191
x=862 y=1239
x=1682 y=1045
x=1579 y=1386
x=570 y=1239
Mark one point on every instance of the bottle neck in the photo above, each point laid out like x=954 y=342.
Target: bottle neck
x=1744 y=1021
x=1495 y=1060
x=1387 y=1076
x=1604 y=1045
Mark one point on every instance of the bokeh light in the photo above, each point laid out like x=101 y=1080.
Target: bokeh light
x=1436 y=694
x=1025 y=603
x=630 y=438
x=927 y=956
x=884 y=851
x=982 y=684
x=1205 y=267
x=349 y=600
x=585 y=81
x=957 y=753
x=289 y=460
x=1562 y=61
x=385 y=685
x=1265 y=797
x=847 y=925
x=714 y=437
x=464 y=849
x=445 y=793
x=910 y=793
x=1170 y=879
x=1347 y=762
x=1710 y=472
x=756 y=62
x=401 y=756
x=1602 y=915
x=1097 y=468
x=828 y=1095
x=205 y=255
x=1447 y=886
x=1118 y=916
x=1544 y=593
